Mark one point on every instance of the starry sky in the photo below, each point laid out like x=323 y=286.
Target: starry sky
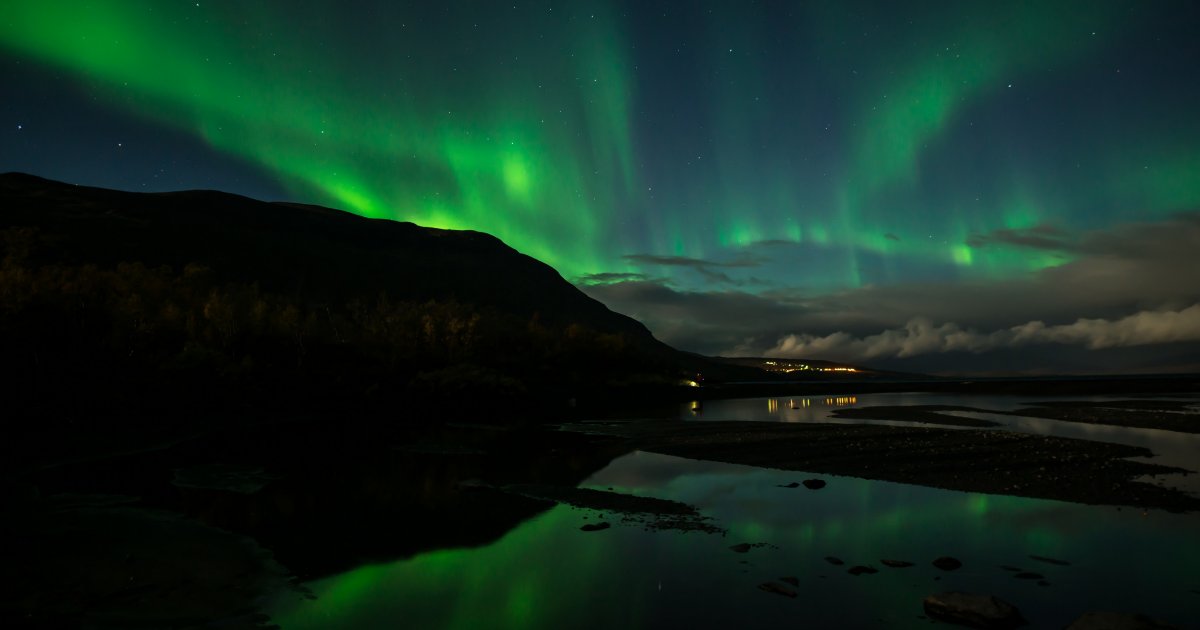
x=959 y=187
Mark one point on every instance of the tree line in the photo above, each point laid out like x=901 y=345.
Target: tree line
x=76 y=326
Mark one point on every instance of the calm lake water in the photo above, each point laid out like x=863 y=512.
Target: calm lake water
x=1171 y=448
x=821 y=408
x=546 y=573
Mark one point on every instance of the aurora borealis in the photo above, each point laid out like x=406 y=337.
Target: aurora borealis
x=745 y=178
x=536 y=575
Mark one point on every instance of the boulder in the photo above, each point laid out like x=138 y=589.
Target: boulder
x=777 y=588
x=595 y=527
x=1061 y=563
x=973 y=611
x=814 y=484
x=946 y=563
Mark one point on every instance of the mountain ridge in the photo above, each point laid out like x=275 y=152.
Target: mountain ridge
x=318 y=252
x=203 y=302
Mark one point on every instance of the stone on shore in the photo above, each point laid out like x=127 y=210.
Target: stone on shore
x=777 y=588
x=973 y=611
x=946 y=563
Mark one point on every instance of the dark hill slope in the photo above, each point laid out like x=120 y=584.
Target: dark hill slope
x=309 y=253
x=131 y=304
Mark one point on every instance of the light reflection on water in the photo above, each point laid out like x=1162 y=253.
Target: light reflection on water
x=1171 y=448
x=819 y=408
x=547 y=573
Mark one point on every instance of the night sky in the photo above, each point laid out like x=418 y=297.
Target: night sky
x=943 y=186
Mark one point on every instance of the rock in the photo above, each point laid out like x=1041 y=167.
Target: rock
x=744 y=547
x=974 y=611
x=794 y=581
x=896 y=564
x=860 y=569
x=1029 y=575
x=595 y=527
x=1061 y=563
x=814 y=484
x=834 y=560
x=946 y=563
x=1118 y=621
x=1008 y=568
x=789 y=485
x=777 y=588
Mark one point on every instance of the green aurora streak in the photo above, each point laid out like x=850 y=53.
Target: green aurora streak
x=532 y=125
x=536 y=574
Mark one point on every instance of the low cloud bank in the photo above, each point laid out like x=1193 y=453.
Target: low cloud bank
x=922 y=336
x=1125 y=280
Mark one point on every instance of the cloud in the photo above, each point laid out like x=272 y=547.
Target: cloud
x=921 y=336
x=1129 y=269
x=699 y=321
x=706 y=268
x=1044 y=236
x=609 y=277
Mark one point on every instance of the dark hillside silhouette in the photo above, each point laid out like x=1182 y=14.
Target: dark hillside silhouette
x=199 y=303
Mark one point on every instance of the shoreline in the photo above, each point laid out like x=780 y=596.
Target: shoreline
x=1183 y=385
x=1180 y=416
x=987 y=461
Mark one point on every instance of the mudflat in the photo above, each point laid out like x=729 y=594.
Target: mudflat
x=990 y=461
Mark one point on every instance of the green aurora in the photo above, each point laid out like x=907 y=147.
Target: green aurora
x=875 y=140
x=536 y=575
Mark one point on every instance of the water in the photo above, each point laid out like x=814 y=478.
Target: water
x=1170 y=448
x=546 y=573
x=821 y=408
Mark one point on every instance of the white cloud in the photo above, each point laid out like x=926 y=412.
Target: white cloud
x=921 y=336
x=1127 y=284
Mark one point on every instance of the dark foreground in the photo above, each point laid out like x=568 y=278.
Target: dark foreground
x=202 y=529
